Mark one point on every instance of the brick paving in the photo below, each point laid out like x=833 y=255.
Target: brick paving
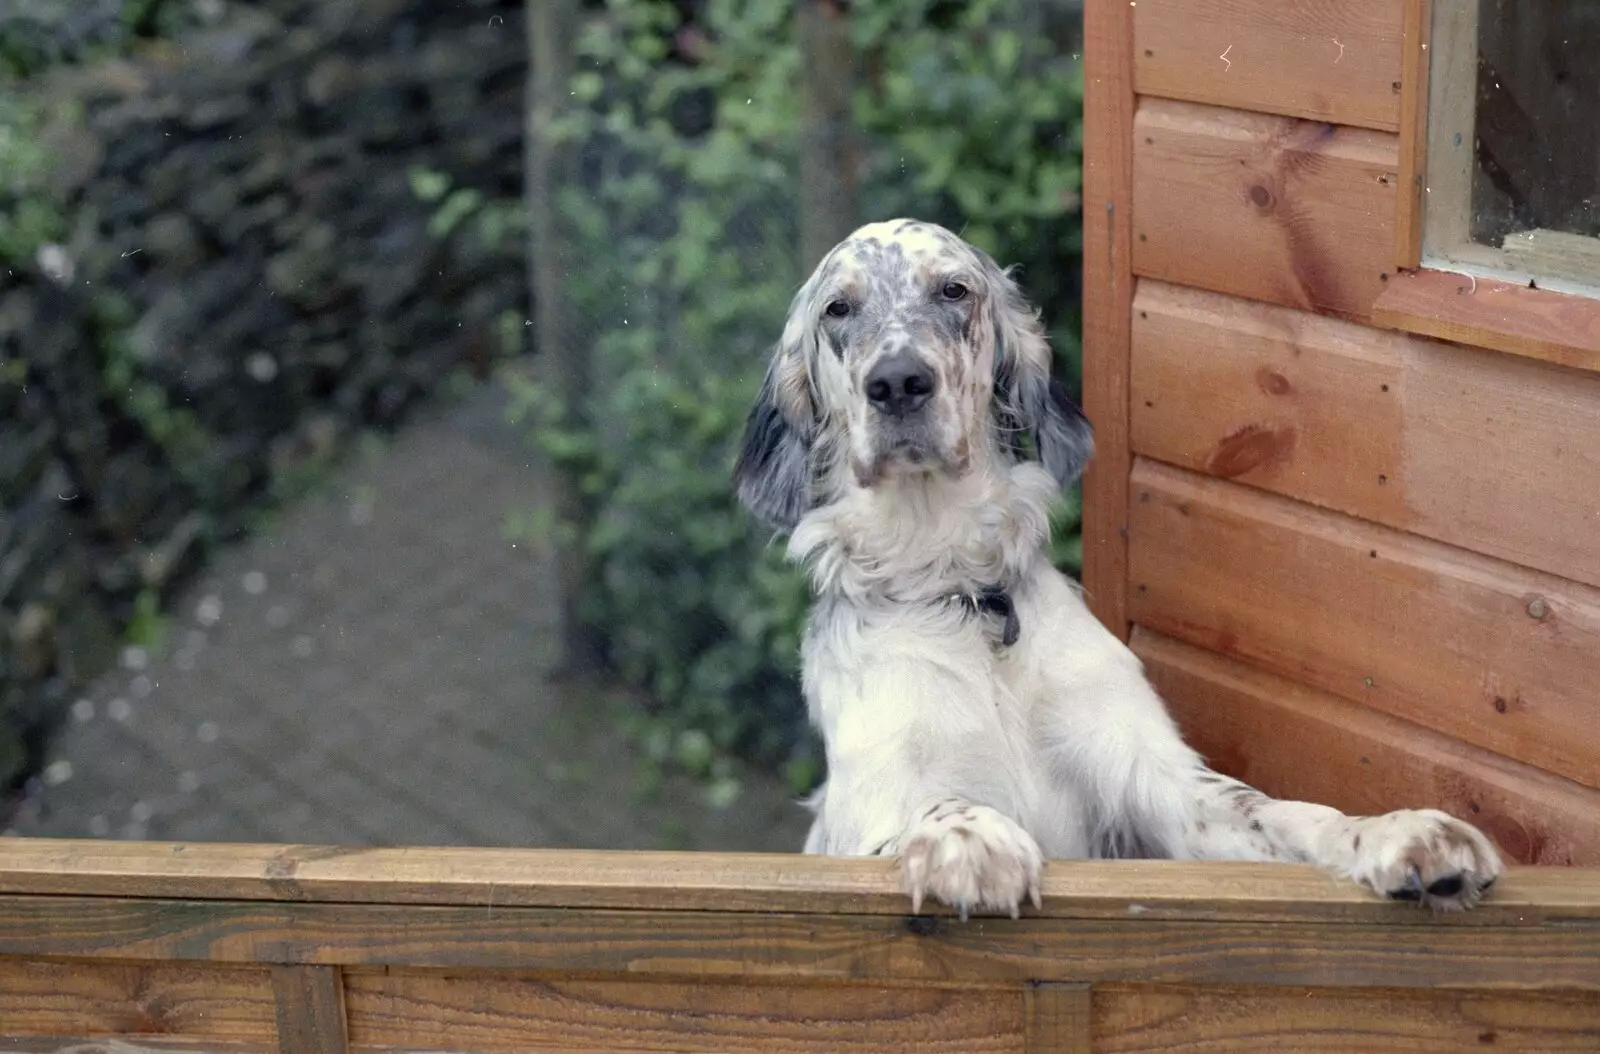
x=370 y=669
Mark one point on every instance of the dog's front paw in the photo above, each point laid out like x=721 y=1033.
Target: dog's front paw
x=970 y=857
x=1424 y=855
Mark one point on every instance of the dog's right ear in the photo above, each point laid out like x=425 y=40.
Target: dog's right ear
x=773 y=474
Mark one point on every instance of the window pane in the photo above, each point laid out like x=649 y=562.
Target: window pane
x=1537 y=171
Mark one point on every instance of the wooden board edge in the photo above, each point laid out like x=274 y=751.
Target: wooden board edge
x=716 y=883
x=1108 y=302
x=1416 y=23
x=1562 y=328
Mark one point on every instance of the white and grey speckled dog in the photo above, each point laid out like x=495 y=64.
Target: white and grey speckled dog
x=977 y=717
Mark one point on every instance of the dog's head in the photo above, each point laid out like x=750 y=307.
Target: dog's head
x=908 y=351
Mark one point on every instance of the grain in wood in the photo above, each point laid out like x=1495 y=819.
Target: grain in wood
x=1299 y=743
x=1486 y=451
x=1229 y=1019
x=1486 y=652
x=170 y=1000
x=492 y=1012
x=1538 y=951
x=1339 y=63
x=1270 y=208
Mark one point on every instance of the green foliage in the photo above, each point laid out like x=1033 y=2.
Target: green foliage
x=686 y=223
x=30 y=216
x=38 y=34
x=494 y=223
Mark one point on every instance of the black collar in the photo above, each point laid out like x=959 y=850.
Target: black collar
x=993 y=600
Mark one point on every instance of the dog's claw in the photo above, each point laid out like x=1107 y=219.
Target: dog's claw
x=1412 y=890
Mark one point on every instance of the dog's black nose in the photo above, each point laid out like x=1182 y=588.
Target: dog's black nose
x=899 y=385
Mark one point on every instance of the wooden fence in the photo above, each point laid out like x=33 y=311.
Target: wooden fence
x=108 y=946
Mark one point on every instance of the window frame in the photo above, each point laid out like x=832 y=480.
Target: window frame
x=1450 y=287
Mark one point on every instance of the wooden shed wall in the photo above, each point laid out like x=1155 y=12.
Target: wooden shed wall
x=1363 y=565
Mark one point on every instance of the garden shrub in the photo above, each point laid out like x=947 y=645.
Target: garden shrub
x=686 y=222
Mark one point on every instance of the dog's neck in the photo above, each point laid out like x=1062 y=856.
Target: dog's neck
x=926 y=536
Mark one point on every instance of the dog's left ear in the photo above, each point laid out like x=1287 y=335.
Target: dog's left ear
x=774 y=475
x=1026 y=395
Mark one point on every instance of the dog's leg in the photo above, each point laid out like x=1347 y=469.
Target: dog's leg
x=1412 y=854
x=919 y=767
x=1154 y=796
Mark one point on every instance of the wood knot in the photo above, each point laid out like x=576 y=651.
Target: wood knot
x=1515 y=840
x=922 y=925
x=1272 y=382
x=1249 y=448
x=1261 y=196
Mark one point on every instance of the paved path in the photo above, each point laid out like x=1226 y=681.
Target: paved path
x=370 y=669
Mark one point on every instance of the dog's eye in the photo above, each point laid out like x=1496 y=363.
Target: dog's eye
x=837 y=308
x=953 y=291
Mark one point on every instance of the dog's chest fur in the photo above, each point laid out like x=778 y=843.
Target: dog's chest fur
x=888 y=569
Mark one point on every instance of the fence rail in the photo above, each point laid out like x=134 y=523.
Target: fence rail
x=110 y=946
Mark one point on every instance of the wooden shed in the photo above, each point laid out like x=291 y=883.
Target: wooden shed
x=1362 y=562
x=1346 y=506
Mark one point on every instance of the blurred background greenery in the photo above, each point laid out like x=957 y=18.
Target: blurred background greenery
x=690 y=129
x=238 y=240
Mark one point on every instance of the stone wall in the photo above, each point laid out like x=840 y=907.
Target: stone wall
x=245 y=278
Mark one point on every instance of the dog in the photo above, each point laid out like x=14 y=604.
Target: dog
x=977 y=718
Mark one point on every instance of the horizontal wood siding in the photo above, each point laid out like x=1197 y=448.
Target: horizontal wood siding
x=175 y=1001
x=1495 y=655
x=1269 y=208
x=431 y=1011
x=1335 y=62
x=1231 y=1020
x=858 y=949
x=395 y=960
x=1308 y=745
x=1496 y=454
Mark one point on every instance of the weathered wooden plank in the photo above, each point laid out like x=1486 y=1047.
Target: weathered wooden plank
x=1107 y=299
x=489 y=880
x=1489 y=653
x=1489 y=452
x=310 y=1009
x=1553 y=954
x=1228 y=1019
x=59 y=1000
x=1534 y=323
x=1333 y=62
x=1300 y=743
x=1416 y=21
x=1271 y=208
x=488 y=1012
x=1057 y=1018
x=91 y=1044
